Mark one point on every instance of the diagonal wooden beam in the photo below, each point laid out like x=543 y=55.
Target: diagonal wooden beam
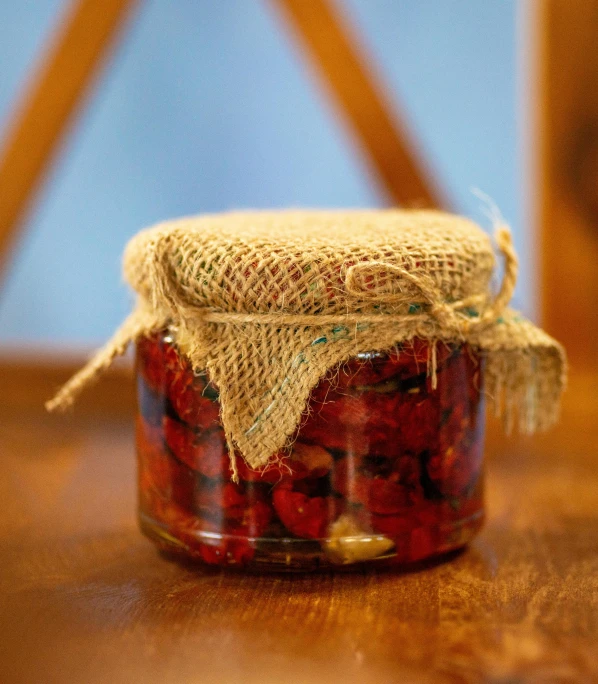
x=40 y=120
x=361 y=100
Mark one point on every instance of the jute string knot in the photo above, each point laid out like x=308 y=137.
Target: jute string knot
x=446 y=313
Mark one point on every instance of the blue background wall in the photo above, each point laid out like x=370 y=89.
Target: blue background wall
x=206 y=106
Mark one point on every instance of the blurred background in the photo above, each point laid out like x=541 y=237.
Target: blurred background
x=206 y=106
x=115 y=115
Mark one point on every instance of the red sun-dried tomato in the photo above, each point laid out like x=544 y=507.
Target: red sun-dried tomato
x=393 y=526
x=192 y=396
x=358 y=424
x=158 y=362
x=160 y=475
x=423 y=543
x=250 y=520
x=303 y=515
x=361 y=373
x=204 y=452
x=418 y=418
x=218 y=497
x=383 y=489
x=195 y=400
x=414 y=539
x=202 y=538
x=455 y=469
x=237 y=506
x=227 y=551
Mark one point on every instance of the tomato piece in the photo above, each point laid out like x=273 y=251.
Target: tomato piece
x=204 y=452
x=418 y=420
x=160 y=475
x=158 y=362
x=227 y=552
x=383 y=487
x=302 y=515
x=454 y=470
x=192 y=401
x=219 y=497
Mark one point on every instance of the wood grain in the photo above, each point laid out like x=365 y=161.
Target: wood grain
x=361 y=101
x=567 y=122
x=85 y=598
x=63 y=76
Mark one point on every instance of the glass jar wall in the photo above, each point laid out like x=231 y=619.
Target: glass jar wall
x=384 y=470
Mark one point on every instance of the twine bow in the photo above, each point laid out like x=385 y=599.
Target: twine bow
x=448 y=314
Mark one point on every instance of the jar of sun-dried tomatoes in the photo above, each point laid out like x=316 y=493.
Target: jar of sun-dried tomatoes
x=383 y=469
x=311 y=384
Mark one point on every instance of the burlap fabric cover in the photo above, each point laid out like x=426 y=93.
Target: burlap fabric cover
x=268 y=302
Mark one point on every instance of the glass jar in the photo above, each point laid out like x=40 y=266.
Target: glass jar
x=384 y=469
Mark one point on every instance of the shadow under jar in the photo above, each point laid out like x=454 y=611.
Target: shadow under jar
x=384 y=469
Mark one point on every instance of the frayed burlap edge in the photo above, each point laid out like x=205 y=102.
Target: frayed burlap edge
x=525 y=372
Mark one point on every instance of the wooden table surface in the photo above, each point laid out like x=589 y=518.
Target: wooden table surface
x=85 y=598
